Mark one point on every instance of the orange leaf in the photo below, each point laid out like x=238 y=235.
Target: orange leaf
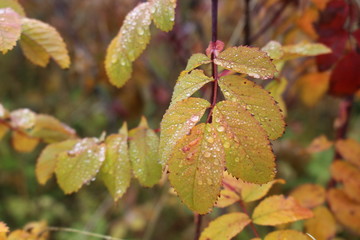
x=306 y=21
x=319 y=144
x=286 y=235
x=346 y=211
x=277 y=210
x=349 y=150
x=3 y=228
x=3 y=130
x=323 y=225
x=227 y=197
x=23 y=143
x=309 y=195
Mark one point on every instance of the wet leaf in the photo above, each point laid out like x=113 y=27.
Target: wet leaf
x=227 y=197
x=274 y=50
x=144 y=155
x=188 y=83
x=79 y=166
x=177 y=121
x=50 y=129
x=346 y=211
x=163 y=13
x=23 y=118
x=116 y=170
x=257 y=101
x=22 y=142
x=10 y=29
x=38 y=35
x=349 y=150
x=14 y=5
x=276 y=89
x=286 y=235
x=197 y=60
x=323 y=225
x=250 y=61
x=132 y=39
x=349 y=176
x=319 y=144
x=225 y=227
x=47 y=160
x=304 y=49
x=309 y=195
x=278 y=210
x=196 y=166
x=248 y=152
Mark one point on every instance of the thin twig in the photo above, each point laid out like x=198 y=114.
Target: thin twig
x=252 y=226
x=198 y=223
x=247 y=26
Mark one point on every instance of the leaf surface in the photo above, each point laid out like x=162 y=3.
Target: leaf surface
x=309 y=195
x=22 y=142
x=276 y=89
x=116 y=170
x=188 y=83
x=323 y=225
x=278 y=210
x=43 y=36
x=248 y=152
x=79 y=166
x=227 y=197
x=248 y=60
x=225 y=227
x=304 y=50
x=196 y=166
x=144 y=155
x=286 y=235
x=349 y=150
x=163 y=13
x=22 y=118
x=257 y=101
x=197 y=60
x=3 y=130
x=10 y=29
x=178 y=120
x=46 y=162
x=14 y=5
x=273 y=49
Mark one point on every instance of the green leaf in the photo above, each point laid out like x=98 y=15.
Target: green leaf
x=79 y=165
x=10 y=29
x=276 y=210
x=196 y=166
x=163 y=13
x=273 y=49
x=225 y=227
x=188 y=83
x=178 y=120
x=130 y=42
x=304 y=49
x=286 y=235
x=116 y=170
x=248 y=60
x=14 y=5
x=144 y=156
x=38 y=35
x=197 y=60
x=248 y=152
x=23 y=118
x=47 y=160
x=257 y=101
x=277 y=88
x=50 y=129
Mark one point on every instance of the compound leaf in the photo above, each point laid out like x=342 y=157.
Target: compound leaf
x=196 y=166
x=10 y=29
x=248 y=60
x=178 y=120
x=278 y=210
x=225 y=227
x=257 y=101
x=79 y=165
x=248 y=152
x=163 y=13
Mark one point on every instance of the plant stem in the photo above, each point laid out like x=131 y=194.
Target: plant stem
x=198 y=222
x=61 y=229
x=247 y=26
x=252 y=226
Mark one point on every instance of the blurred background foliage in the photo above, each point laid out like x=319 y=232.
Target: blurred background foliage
x=83 y=98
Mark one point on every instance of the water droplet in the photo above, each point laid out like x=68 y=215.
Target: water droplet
x=207 y=154
x=140 y=30
x=210 y=140
x=237 y=159
x=195 y=118
x=226 y=145
x=221 y=129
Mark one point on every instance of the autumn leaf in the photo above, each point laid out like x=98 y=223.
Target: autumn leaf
x=178 y=120
x=346 y=211
x=247 y=148
x=196 y=166
x=3 y=130
x=14 y=5
x=349 y=150
x=144 y=155
x=227 y=197
x=306 y=22
x=274 y=50
x=323 y=225
x=276 y=89
x=163 y=13
x=225 y=227
x=4 y=113
x=41 y=41
x=285 y=235
x=277 y=210
x=248 y=60
x=22 y=118
x=309 y=195
x=10 y=29
x=22 y=142
x=197 y=60
x=319 y=144
x=79 y=165
x=257 y=101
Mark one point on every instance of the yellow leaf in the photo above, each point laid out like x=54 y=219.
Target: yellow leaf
x=323 y=225
x=227 y=197
x=10 y=29
x=4 y=113
x=38 y=35
x=225 y=227
x=163 y=13
x=22 y=118
x=196 y=60
x=22 y=142
x=3 y=130
x=14 y=5
x=349 y=150
x=346 y=211
x=37 y=230
x=349 y=176
x=319 y=144
x=309 y=195
x=313 y=86
x=3 y=228
x=286 y=235
x=195 y=168
x=304 y=49
x=248 y=152
x=278 y=210
x=273 y=49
